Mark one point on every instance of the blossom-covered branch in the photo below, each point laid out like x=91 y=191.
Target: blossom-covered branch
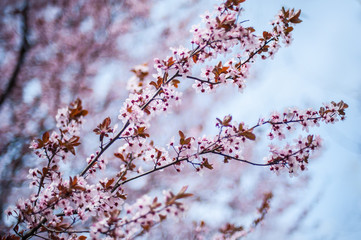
x=98 y=200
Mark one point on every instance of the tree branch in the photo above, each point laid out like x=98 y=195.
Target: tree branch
x=21 y=57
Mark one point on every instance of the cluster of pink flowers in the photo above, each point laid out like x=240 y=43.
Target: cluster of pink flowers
x=287 y=121
x=293 y=158
x=142 y=215
x=79 y=199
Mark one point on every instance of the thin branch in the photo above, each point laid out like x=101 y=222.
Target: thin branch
x=65 y=230
x=242 y=160
x=203 y=81
x=41 y=237
x=259 y=50
x=33 y=230
x=124 y=128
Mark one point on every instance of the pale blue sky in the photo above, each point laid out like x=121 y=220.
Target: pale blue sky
x=322 y=64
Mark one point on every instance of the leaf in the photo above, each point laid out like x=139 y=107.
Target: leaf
x=288 y=30
x=226 y=120
x=182 y=194
x=266 y=35
x=181 y=140
x=82 y=237
x=146 y=110
x=162 y=217
x=230 y=3
x=146 y=227
x=45 y=137
x=109 y=183
x=183 y=190
x=240 y=127
x=206 y=164
x=140 y=132
x=153 y=84
x=106 y=122
x=295 y=18
x=45 y=171
x=73 y=182
x=187 y=141
x=195 y=58
x=309 y=139
x=251 y=29
x=119 y=155
x=175 y=83
x=249 y=135
x=171 y=61
x=84 y=112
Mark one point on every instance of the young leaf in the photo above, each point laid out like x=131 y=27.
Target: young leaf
x=249 y=135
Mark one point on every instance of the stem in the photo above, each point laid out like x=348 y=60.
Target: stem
x=256 y=52
x=33 y=231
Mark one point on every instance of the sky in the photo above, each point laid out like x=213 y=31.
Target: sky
x=321 y=65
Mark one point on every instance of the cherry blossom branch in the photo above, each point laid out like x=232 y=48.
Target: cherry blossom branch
x=270 y=163
x=65 y=230
x=155 y=169
x=50 y=159
x=202 y=80
x=241 y=160
x=258 y=51
x=124 y=128
x=328 y=113
x=32 y=231
x=80 y=199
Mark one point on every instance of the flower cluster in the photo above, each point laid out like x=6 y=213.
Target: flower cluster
x=222 y=33
x=70 y=197
x=280 y=123
x=293 y=158
x=145 y=213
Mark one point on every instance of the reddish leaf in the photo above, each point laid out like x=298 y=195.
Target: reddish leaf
x=153 y=84
x=109 y=183
x=181 y=134
x=206 y=164
x=45 y=137
x=195 y=58
x=295 y=18
x=249 y=135
x=119 y=155
x=162 y=217
x=175 y=83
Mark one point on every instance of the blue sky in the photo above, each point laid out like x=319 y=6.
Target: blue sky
x=321 y=65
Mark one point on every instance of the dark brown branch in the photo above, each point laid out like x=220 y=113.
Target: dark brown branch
x=203 y=81
x=259 y=50
x=122 y=130
x=21 y=57
x=245 y=161
x=33 y=230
